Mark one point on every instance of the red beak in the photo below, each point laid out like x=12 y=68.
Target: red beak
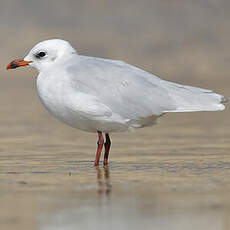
x=17 y=63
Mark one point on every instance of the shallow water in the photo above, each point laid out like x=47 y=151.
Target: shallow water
x=174 y=175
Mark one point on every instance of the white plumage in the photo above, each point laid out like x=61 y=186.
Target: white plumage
x=96 y=94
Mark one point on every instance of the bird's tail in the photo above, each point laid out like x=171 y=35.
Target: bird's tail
x=191 y=99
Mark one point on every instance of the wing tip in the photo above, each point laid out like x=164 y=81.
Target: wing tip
x=224 y=100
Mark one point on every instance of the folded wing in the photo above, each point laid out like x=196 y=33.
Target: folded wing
x=133 y=93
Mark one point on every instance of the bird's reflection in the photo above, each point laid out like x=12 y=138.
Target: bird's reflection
x=103 y=180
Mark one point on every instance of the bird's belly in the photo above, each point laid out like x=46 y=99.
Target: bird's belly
x=57 y=104
x=77 y=120
x=61 y=111
x=53 y=99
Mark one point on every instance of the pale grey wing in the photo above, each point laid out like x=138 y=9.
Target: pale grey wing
x=134 y=93
x=125 y=89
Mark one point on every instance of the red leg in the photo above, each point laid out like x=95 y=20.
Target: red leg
x=107 y=148
x=100 y=144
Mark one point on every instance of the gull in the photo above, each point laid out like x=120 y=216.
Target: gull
x=103 y=96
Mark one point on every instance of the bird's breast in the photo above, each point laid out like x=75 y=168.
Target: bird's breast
x=54 y=94
x=50 y=93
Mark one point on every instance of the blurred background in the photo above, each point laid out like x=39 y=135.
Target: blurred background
x=174 y=175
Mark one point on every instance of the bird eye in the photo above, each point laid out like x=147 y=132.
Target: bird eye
x=40 y=54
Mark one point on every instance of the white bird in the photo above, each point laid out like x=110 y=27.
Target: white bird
x=104 y=96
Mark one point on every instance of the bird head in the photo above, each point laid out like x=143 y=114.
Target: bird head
x=44 y=54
